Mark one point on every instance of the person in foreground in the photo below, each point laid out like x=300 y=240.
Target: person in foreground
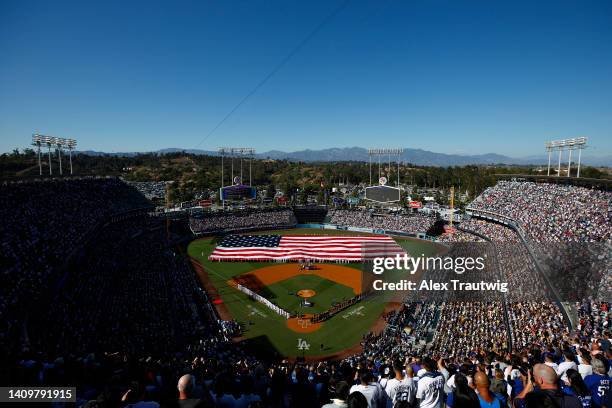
x=185 y=388
x=486 y=398
x=341 y=393
x=543 y=390
x=463 y=395
x=430 y=387
x=599 y=384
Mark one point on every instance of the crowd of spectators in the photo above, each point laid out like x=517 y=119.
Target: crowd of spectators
x=579 y=270
x=552 y=212
x=493 y=231
x=223 y=221
x=43 y=223
x=152 y=190
x=222 y=374
x=470 y=326
x=144 y=293
x=130 y=327
x=412 y=224
x=459 y=236
x=594 y=317
x=532 y=312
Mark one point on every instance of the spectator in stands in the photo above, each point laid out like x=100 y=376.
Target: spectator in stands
x=185 y=388
x=549 y=360
x=357 y=400
x=462 y=396
x=248 y=396
x=584 y=367
x=599 y=383
x=430 y=387
x=575 y=386
x=604 y=342
x=136 y=397
x=401 y=387
x=543 y=390
x=341 y=393
x=370 y=389
x=223 y=394
x=568 y=363
x=499 y=386
x=486 y=398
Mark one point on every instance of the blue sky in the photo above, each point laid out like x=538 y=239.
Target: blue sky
x=448 y=76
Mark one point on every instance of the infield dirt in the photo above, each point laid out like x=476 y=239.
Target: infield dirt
x=269 y=275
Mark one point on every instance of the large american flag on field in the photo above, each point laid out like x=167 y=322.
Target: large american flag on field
x=304 y=247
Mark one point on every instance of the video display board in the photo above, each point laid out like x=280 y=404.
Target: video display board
x=238 y=192
x=382 y=194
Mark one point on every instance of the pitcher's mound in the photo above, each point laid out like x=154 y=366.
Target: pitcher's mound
x=306 y=293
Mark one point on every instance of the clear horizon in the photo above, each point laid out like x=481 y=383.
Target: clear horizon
x=447 y=77
x=588 y=152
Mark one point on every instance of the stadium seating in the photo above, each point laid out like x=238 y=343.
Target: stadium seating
x=411 y=224
x=102 y=299
x=552 y=212
x=44 y=223
x=310 y=214
x=232 y=221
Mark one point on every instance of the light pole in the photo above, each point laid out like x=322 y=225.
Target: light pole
x=59 y=143
x=50 y=168
x=549 y=148
x=59 y=157
x=36 y=141
x=577 y=143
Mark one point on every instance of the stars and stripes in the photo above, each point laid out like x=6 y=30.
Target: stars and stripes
x=304 y=247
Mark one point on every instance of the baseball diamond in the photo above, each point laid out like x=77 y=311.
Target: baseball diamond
x=337 y=315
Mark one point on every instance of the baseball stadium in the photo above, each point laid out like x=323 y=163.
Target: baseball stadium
x=316 y=204
x=284 y=291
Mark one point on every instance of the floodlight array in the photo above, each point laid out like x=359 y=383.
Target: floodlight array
x=238 y=153
x=575 y=143
x=54 y=141
x=385 y=151
x=236 y=150
x=60 y=143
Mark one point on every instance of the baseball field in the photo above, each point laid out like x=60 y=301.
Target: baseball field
x=287 y=286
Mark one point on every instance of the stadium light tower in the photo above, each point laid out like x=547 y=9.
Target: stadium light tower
x=395 y=152
x=59 y=143
x=71 y=143
x=241 y=152
x=59 y=155
x=232 y=152
x=578 y=143
x=48 y=141
x=37 y=141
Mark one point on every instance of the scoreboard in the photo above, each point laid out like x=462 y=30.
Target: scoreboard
x=238 y=192
x=382 y=194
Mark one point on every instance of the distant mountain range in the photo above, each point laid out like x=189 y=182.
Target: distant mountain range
x=415 y=156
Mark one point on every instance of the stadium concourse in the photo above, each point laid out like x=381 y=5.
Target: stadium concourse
x=97 y=294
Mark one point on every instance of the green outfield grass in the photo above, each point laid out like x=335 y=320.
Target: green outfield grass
x=266 y=329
